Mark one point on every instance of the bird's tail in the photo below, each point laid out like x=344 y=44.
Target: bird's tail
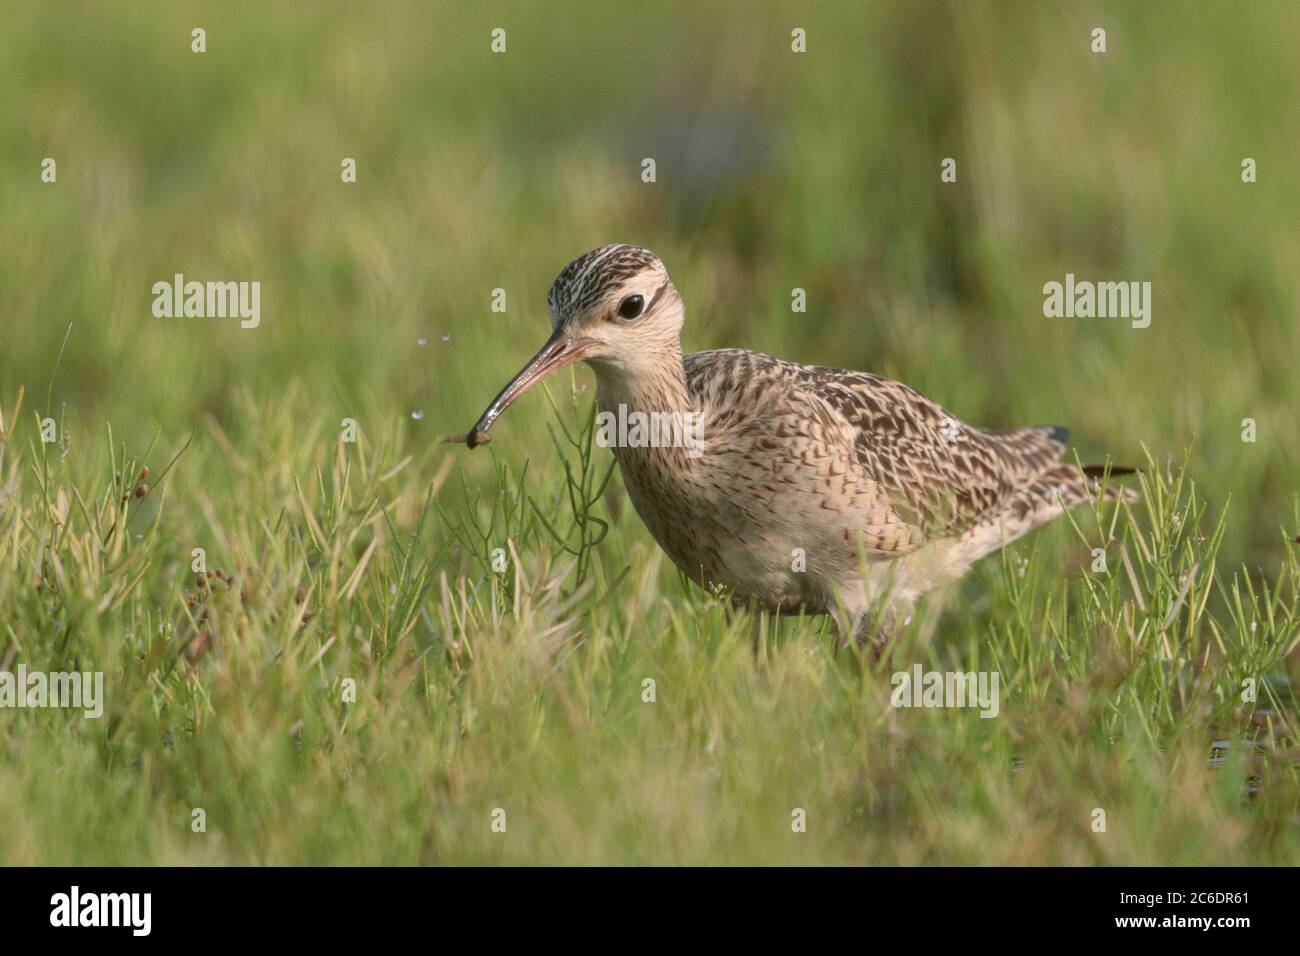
x=1032 y=454
x=1048 y=495
x=1100 y=471
x=1077 y=485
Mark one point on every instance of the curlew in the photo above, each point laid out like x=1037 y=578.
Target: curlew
x=809 y=489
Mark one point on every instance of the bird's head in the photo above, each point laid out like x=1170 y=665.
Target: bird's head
x=617 y=303
x=614 y=308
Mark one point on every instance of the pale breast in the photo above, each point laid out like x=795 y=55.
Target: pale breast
x=744 y=514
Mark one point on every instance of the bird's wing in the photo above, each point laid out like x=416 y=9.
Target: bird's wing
x=932 y=475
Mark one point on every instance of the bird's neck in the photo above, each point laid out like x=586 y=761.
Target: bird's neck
x=651 y=422
x=654 y=383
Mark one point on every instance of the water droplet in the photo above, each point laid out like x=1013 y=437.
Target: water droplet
x=417 y=414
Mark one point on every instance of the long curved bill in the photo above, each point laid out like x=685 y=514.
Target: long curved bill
x=560 y=350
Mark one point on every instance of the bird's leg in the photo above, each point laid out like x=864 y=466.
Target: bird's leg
x=846 y=625
x=738 y=606
x=756 y=631
x=876 y=631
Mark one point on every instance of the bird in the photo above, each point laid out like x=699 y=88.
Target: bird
x=797 y=488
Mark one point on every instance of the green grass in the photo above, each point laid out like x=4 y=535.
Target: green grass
x=522 y=689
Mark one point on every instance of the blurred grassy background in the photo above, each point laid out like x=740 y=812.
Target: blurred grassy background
x=775 y=170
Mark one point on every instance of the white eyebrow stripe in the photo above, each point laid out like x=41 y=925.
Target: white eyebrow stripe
x=593 y=270
x=654 y=296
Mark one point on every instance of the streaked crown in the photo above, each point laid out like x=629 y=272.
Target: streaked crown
x=600 y=278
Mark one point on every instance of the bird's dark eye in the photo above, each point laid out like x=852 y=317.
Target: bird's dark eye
x=631 y=307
